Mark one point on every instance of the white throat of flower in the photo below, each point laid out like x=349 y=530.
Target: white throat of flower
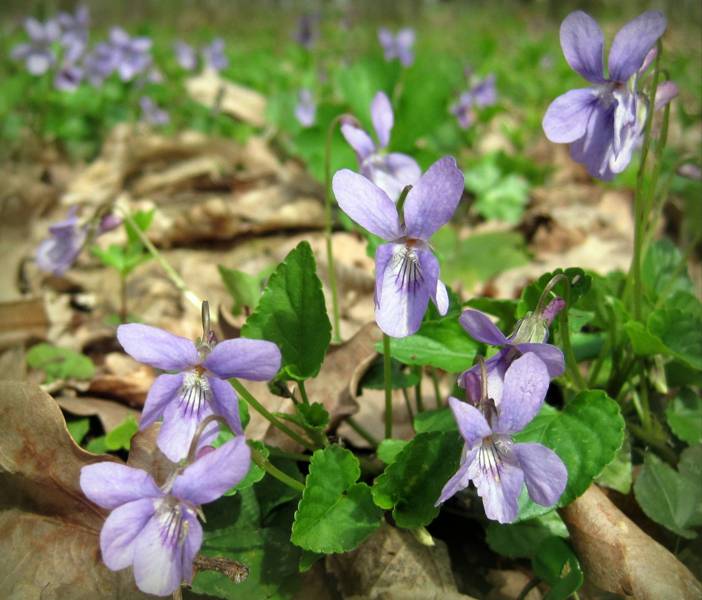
x=406 y=267
x=195 y=392
x=173 y=526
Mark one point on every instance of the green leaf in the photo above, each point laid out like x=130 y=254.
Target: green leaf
x=671 y=498
x=60 y=363
x=505 y=201
x=97 y=445
x=292 y=314
x=681 y=332
x=314 y=415
x=663 y=272
x=335 y=513
x=521 y=540
x=374 y=377
x=78 y=429
x=244 y=289
x=121 y=436
x=643 y=342
x=580 y=283
x=557 y=565
x=238 y=529
x=113 y=256
x=684 y=415
x=412 y=483
x=389 y=449
x=438 y=419
x=442 y=344
x=586 y=435
x=617 y=474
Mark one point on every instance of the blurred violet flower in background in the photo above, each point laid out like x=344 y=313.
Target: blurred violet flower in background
x=529 y=336
x=604 y=123
x=74 y=30
x=213 y=55
x=492 y=461
x=185 y=55
x=306 y=108
x=154 y=529
x=131 y=55
x=151 y=113
x=390 y=172
x=100 y=63
x=406 y=270
x=307 y=31
x=200 y=387
x=37 y=54
x=57 y=253
x=482 y=94
x=69 y=76
x=398 y=46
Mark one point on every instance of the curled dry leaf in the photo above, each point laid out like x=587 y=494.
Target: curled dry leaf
x=124 y=379
x=393 y=565
x=145 y=454
x=110 y=413
x=22 y=320
x=49 y=543
x=620 y=558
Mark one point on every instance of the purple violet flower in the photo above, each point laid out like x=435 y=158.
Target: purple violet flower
x=156 y=530
x=57 y=253
x=306 y=108
x=529 y=336
x=131 y=54
x=185 y=55
x=407 y=272
x=74 y=29
x=213 y=55
x=100 y=63
x=492 y=461
x=307 y=30
x=399 y=45
x=391 y=172
x=483 y=93
x=199 y=388
x=37 y=54
x=604 y=123
x=151 y=113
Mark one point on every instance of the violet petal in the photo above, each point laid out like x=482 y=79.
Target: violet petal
x=481 y=328
x=157 y=563
x=225 y=403
x=633 y=42
x=550 y=355
x=544 y=473
x=460 y=479
x=500 y=494
x=567 y=116
x=525 y=386
x=120 y=530
x=582 y=42
x=157 y=348
x=180 y=421
x=359 y=140
x=382 y=117
x=471 y=422
x=257 y=360
x=111 y=484
x=163 y=390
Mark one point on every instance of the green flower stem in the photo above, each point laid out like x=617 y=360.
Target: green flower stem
x=264 y=412
x=328 y=226
x=564 y=330
x=278 y=453
x=165 y=265
x=408 y=404
x=303 y=393
x=360 y=430
x=437 y=391
x=640 y=203
x=273 y=471
x=418 y=390
x=387 y=371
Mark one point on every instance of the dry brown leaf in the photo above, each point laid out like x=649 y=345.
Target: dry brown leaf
x=123 y=378
x=620 y=558
x=22 y=320
x=508 y=585
x=145 y=454
x=393 y=565
x=233 y=99
x=49 y=540
x=111 y=414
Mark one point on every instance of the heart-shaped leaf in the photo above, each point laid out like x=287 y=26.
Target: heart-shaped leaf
x=335 y=513
x=292 y=313
x=411 y=484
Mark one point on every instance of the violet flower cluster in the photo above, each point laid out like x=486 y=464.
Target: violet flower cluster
x=306 y=108
x=57 y=253
x=482 y=93
x=604 y=123
x=213 y=55
x=155 y=529
x=497 y=466
x=398 y=45
x=406 y=270
x=391 y=172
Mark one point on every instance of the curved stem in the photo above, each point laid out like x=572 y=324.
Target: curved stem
x=328 y=226
x=277 y=452
x=564 y=330
x=264 y=412
x=387 y=371
x=303 y=393
x=165 y=265
x=273 y=471
x=360 y=430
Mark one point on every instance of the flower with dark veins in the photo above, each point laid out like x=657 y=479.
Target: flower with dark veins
x=199 y=388
x=407 y=272
x=497 y=466
x=156 y=530
x=392 y=171
x=529 y=335
x=398 y=45
x=604 y=123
